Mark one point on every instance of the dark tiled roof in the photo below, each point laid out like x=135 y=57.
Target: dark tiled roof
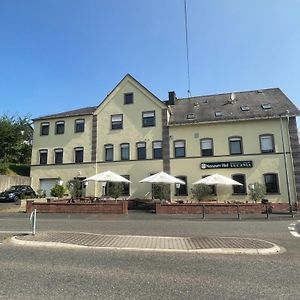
x=204 y=108
x=71 y=113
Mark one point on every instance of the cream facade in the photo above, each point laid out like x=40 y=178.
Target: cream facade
x=135 y=134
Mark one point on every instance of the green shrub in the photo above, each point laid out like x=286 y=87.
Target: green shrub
x=74 y=187
x=115 y=189
x=200 y=191
x=41 y=193
x=57 y=191
x=3 y=168
x=161 y=191
x=22 y=170
x=257 y=192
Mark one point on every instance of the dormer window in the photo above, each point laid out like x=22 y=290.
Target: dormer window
x=266 y=106
x=218 y=114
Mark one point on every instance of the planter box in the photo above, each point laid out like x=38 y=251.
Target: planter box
x=119 y=207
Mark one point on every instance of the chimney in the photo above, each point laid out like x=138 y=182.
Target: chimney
x=172 y=98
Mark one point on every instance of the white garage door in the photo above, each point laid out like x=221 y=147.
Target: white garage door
x=47 y=184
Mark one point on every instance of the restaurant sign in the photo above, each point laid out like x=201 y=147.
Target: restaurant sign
x=227 y=164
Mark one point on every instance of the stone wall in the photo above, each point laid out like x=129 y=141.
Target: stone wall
x=121 y=207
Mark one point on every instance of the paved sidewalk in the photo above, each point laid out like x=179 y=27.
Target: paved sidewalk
x=222 y=245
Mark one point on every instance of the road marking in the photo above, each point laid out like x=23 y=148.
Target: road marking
x=293 y=230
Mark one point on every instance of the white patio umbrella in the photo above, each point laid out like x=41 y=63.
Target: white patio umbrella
x=162 y=177
x=107 y=176
x=217 y=179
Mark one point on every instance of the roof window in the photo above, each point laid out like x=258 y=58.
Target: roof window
x=218 y=114
x=266 y=106
x=245 y=108
x=190 y=116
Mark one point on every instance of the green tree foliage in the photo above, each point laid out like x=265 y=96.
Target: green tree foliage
x=57 y=191
x=257 y=192
x=74 y=187
x=15 y=140
x=115 y=189
x=161 y=191
x=200 y=191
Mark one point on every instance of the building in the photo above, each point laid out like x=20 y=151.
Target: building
x=249 y=136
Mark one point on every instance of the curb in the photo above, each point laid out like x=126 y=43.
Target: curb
x=246 y=251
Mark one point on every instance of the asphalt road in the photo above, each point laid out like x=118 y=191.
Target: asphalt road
x=47 y=273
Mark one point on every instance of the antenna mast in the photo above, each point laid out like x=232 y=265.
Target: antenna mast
x=187 y=49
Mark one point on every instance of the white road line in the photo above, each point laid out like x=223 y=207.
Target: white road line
x=293 y=231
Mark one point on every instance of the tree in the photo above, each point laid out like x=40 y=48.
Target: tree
x=74 y=187
x=15 y=139
x=161 y=191
x=200 y=191
x=257 y=191
x=115 y=190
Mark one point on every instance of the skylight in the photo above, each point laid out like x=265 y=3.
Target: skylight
x=245 y=108
x=266 y=106
x=190 y=116
x=218 y=114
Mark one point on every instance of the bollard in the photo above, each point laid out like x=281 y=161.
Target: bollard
x=203 y=212
x=267 y=211
x=238 y=212
x=33 y=221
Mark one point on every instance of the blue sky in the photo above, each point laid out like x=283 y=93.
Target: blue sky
x=59 y=55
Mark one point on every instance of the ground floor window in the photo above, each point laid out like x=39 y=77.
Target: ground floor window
x=271 y=182
x=239 y=189
x=181 y=189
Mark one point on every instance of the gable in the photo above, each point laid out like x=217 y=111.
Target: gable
x=142 y=97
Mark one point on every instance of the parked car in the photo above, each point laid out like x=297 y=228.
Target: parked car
x=16 y=192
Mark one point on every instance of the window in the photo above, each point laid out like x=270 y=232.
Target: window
x=148 y=118
x=266 y=143
x=116 y=121
x=206 y=146
x=43 y=157
x=271 y=182
x=179 y=148
x=79 y=125
x=239 y=189
x=45 y=128
x=59 y=127
x=181 y=190
x=126 y=186
x=235 y=145
x=124 y=151
x=128 y=98
x=58 y=156
x=78 y=155
x=109 y=152
x=141 y=150
x=157 y=150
